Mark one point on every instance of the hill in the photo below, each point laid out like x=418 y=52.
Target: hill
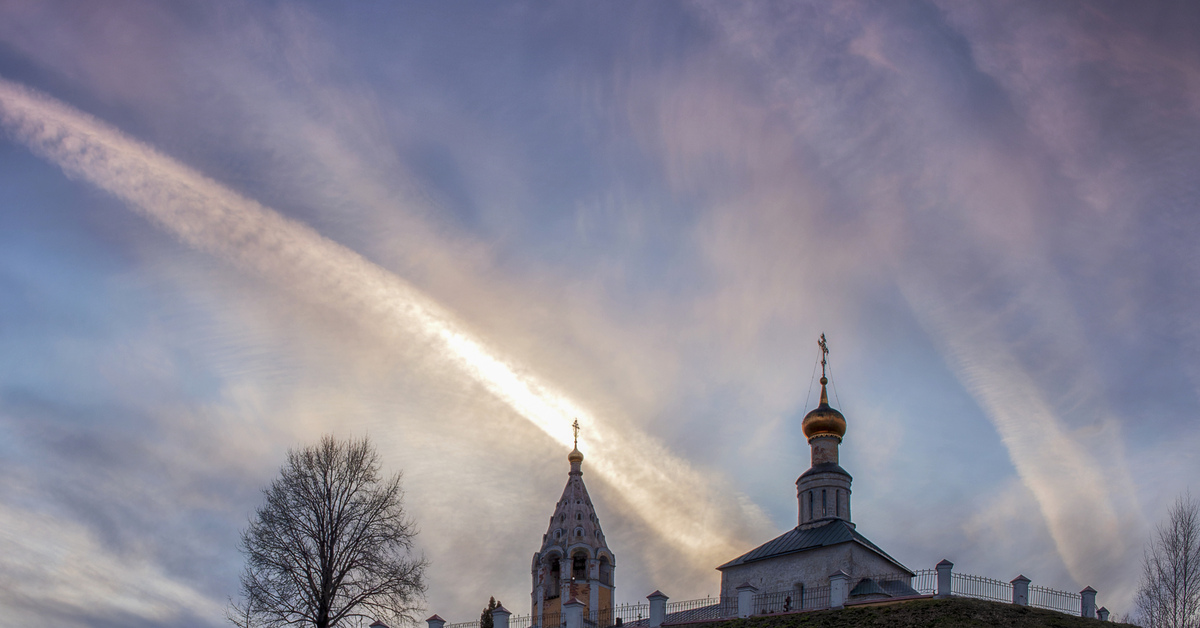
x=947 y=613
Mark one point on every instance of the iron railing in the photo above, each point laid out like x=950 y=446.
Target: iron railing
x=798 y=599
x=697 y=610
x=1055 y=600
x=980 y=588
x=925 y=581
x=621 y=613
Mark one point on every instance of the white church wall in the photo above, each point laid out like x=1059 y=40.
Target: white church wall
x=812 y=568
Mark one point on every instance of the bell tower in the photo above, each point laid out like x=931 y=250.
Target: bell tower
x=824 y=489
x=574 y=560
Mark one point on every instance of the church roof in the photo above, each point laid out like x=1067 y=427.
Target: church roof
x=574 y=522
x=836 y=532
x=825 y=467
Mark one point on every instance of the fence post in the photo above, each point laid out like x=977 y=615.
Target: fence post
x=1020 y=591
x=839 y=589
x=435 y=622
x=658 y=608
x=1087 y=606
x=573 y=613
x=746 y=593
x=944 y=569
x=1102 y=614
x=500 y=617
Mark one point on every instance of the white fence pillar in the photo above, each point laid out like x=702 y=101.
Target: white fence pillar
x=839 y=589
x=1020 y=591
x=944 y=570
x=745 y=594
x=500 y=617
x=1087 y=606
x=658 y=608
x=573 y=613
x=1102 y=613
x=435 y=622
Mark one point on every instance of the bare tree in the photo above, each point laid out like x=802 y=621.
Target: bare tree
x=332 y=544
x=1169 y=593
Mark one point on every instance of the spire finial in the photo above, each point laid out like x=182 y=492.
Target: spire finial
x=575 y=456
x=824 y=346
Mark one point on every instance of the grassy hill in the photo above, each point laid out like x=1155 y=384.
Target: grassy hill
x=948 y=613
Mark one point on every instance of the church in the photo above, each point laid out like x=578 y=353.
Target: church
x=575 y=565
x=574 y=562
x=824 y=541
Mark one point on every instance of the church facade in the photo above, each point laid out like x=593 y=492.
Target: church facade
x=574 y=562
x=824 y=541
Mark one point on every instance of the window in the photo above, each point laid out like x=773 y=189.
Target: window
x=579 y=516
x=558 y=534
x=552 y=584
x=579 y=566
x=810 y=506
x=824 y=505
x=579 y=532
x=837 y=509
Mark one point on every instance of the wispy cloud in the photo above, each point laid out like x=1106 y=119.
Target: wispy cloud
x=670 y=496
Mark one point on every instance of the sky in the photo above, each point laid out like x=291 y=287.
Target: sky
x=227 y=229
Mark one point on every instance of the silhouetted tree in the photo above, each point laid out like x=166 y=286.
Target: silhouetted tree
x=1169 y=593
x=485 y=618
x=331 y=543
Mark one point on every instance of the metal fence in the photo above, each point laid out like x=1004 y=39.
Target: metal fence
x=980 y=588
x=620 y=614
x=798 y=599
x=702 y=609
x=1055 y=600
x=925 y=581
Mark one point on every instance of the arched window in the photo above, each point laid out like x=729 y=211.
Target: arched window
x=605 y=571
x=579 y=566
x=811 y=514
x=579 y=516
x=552 y=583
x=579 y=532
x=558 y=534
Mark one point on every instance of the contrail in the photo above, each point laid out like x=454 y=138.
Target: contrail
x=669 y=495
x=1078 y=495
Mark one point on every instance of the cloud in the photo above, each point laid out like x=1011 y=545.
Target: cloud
x=671 y=497
x=927 y=145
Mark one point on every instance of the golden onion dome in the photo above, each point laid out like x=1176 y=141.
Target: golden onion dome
x=824 y=420
x=575 y=455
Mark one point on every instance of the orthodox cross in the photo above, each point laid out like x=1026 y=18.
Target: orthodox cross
x=575 y=426
x=824 y=352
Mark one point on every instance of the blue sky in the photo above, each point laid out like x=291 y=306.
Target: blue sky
x=228 y=229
